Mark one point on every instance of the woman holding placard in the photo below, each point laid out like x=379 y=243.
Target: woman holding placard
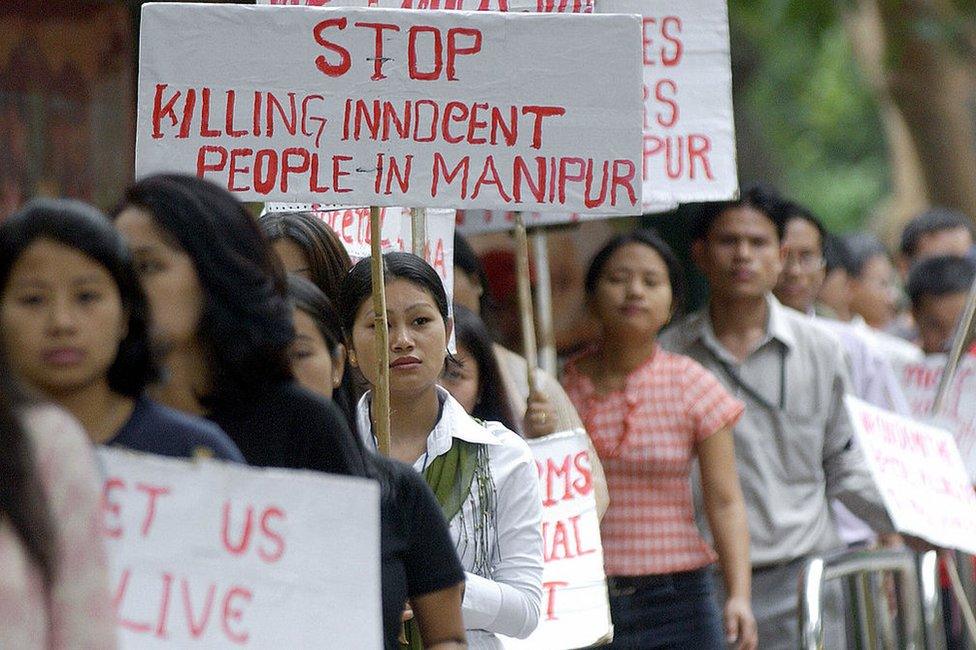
x=54 y=591
x=649 y=413
x=419 y=562
x=483 y=475
x=222 y=323
x=74 y=324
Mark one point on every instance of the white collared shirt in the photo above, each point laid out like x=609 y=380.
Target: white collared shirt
x=794 y=445
x=509 y=600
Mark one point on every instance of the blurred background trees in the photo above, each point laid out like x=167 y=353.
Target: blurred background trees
x=863 y=109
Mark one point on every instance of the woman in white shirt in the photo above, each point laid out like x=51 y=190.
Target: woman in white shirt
x=482 y=474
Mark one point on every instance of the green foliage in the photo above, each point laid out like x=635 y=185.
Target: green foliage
x=818 y=121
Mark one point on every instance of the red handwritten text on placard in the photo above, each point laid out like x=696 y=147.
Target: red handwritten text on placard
x=198 y=609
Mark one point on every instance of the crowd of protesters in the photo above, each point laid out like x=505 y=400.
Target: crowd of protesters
x=723 y=457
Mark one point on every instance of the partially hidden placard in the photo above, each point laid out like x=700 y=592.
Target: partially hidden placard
x=575 y=609
x=920 y=475
x=213 y=555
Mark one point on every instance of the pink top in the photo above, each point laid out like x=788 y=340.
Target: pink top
x=78 y=614
x=645 y=435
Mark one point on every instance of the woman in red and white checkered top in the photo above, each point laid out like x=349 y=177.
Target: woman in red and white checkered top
x=650 y=413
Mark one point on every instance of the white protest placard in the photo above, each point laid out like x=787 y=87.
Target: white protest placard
x=393 y=107
x=214 y=555
x=689 y=134
x=476 y=222
x=920 y=381
x=538 y=6
x=575 y=609
x=920 y=475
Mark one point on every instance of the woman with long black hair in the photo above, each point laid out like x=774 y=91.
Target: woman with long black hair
x=74 y=324
x=483 y=475
x=54 y=586
x=419 y=562
x=221 y=320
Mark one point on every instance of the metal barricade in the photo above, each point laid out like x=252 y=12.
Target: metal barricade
x=917 y=623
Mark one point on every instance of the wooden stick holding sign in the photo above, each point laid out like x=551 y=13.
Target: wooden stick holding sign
x=962 y=339
x=543 y=299
x=529 y=348
x=381 y=392
x=418 y=230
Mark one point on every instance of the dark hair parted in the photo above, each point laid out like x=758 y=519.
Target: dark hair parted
x=759 y=197
x=861 y=248
x=930 y=222
x=307 y=297
x=328 y=261
x=792 y=210
x=22 y=499
x=472 y=335
x=246 y=325
x=84 y=228
x=646 y=237
x=836 y=254
x=358 y=284
x=940 y=276
x=467 y=260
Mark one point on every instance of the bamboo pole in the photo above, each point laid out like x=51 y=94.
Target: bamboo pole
x=381 y=391
x=525 y=299
x=543 y=300
x=961 y=340
x=418 y=231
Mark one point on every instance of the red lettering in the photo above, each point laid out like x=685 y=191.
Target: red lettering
x=119 y=598
x=229 y=117
x=191 y=100
x=624 y=174
x=584 y=484
x=673 y=57
x=337 y=173
x=699 y=146
x=551 y=588
x=541 y=112
x=161 y=110
x=203 y=166
x=205 y=130
x=445 y=125
x=440 y=168
x=197 y=628
x=331 y=69
x=164 y=606
x=378 y=59
x=153 y=492
x=240 y=546
x=287 y=167
x=668 y=101
x=111 y=507
x=493 y=180
x=265 y=182
x=279 y=542
x=235 y=170
x=436 y=48
x=234 y=613
x=453 y=50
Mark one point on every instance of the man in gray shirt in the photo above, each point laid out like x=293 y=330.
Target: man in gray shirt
x=794 y=445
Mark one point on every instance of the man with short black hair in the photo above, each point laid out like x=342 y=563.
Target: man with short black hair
x=938 y=288
x=938 y=231
x=794 y=445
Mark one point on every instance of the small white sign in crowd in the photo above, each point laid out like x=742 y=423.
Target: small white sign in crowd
x=921 y=476
x=575 y=612
x=207 y=554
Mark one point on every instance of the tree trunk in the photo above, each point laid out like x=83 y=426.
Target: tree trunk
x=931 y=78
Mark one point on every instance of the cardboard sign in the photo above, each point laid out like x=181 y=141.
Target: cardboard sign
x=390 y=107
x=689 y=134
x=575 y=609
x=920 y=381
x=538 y=6
x=920 y=475
x=213 y=555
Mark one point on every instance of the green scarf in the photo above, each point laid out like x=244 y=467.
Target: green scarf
x=450 y=476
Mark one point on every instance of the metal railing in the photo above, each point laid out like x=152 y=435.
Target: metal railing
x=915 y=623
